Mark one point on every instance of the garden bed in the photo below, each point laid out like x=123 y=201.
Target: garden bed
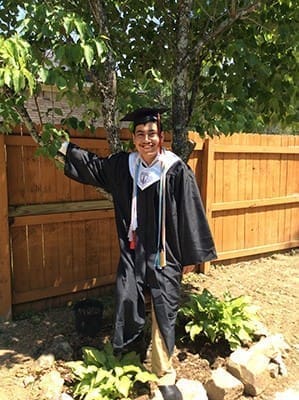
x=271 y=282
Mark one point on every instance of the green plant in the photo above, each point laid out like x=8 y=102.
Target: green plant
x=231 y=318
x=103 y=376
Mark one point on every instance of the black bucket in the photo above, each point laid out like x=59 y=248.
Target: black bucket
x=88 y=316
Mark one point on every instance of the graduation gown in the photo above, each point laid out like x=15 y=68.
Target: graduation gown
x=188 y=239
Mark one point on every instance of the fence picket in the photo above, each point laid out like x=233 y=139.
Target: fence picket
x=5 y=271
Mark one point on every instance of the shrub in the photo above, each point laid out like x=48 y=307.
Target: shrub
x=232 y=319
x=102 y=375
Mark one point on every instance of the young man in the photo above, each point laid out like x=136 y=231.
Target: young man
x=161 y=227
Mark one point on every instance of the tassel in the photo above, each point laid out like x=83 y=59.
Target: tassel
x=133 y=242
x=162 y=259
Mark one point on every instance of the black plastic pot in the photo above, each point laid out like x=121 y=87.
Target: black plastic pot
x=88 y=316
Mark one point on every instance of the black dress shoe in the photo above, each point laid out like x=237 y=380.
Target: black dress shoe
x=170 y=392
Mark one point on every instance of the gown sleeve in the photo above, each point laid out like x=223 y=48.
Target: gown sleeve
x=196 y=241
x=88 y=168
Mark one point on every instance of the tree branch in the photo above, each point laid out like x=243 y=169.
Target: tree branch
x=98 y=12
x=108 y=90
x=25 y=117
x=197 y=52
x=234 y=16
x=38 y=110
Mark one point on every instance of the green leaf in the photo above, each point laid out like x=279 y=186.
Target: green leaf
x=11 y=48
x=88 y=54
x=30 y=81
x=77 y=367
x=7 y=77
x=118 y=371
x=194 y=331
x=72 y=122
x=68 y=24
x=229 y=318
x=94 y=356
x=131 y=358
x=81 y=28
x=101 y=376
x=61 y=82
x=82 y=125
x=123 y=386
x=145 y=376
x=101 y=47
x=130 y=368
x=74 y=53
x=94 y=394
x=43 y=74
x=60 y=52
x=18 y=81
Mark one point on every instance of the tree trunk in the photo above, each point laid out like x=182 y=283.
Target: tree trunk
x=108 y=106
x=180 y=110
x=109 y=87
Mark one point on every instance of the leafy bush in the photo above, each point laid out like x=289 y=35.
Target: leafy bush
x=232 y=319
x=103 y=376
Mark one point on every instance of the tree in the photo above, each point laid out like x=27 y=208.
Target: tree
x=55 y=45
x=224 y=66
x=233 y=65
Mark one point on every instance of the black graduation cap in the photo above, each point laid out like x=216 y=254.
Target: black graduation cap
x=144 y=115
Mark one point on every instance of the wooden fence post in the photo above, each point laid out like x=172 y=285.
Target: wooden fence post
x=207 y=187
x=5 y=274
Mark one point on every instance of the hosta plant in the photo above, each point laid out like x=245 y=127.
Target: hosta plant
x=232 y=318
x=103 y=376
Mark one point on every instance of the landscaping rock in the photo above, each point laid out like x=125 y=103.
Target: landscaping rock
x=271 y=346
x=251 y=369
x=51 y=385
x=273 y=370
x=260 y=330
x=65 y=396
x=61 y=349
x=192 y=390
x=45 y=361
x=223 y=386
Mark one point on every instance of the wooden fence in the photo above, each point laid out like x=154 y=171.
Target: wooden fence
x=58 y=237
x=250 y=187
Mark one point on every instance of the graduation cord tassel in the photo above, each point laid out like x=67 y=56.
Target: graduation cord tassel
x=160 y=259
x=163 y=227
x=159 y=131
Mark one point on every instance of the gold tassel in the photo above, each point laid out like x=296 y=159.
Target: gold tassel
x=162 y=259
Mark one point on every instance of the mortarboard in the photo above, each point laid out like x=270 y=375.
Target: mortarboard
x=144 y=115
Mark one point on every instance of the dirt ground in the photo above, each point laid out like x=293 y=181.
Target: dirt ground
x=271 y=282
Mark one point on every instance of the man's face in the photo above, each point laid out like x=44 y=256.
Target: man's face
x=147 y=141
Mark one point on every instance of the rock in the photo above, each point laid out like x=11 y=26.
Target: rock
x=65 y=396
x=260 y=330
x=290 y=394
x=223 y=386
x=271 y=346
x=51 y=385
x=273 y=370
x=61 y=349
x=282 y=369
x=28 y=380
x=45 y=361
x=192 y=390
x=251 y=369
